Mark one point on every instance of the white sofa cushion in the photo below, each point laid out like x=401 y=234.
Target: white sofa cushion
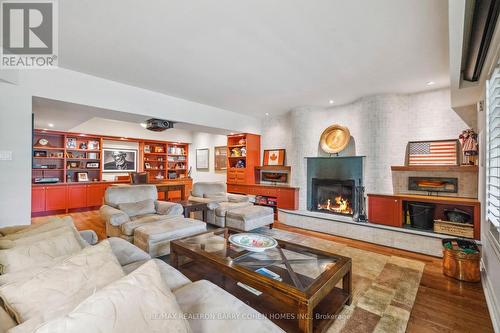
x=138 y=208
x=62 y=286
x=39 y=253
x=200 y=189
x=206 y=304
x=137 y=221
x=139 y=302
x=224 y=207
x=32 y=232
x=216 y=197
x=119 y=194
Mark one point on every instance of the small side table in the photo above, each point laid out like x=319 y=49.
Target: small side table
x=194 y=206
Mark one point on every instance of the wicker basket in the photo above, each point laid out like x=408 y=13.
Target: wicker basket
x=454 y=228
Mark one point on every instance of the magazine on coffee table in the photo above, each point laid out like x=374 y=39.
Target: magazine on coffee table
x=265 y=272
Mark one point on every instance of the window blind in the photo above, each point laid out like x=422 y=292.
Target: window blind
x=493 y=148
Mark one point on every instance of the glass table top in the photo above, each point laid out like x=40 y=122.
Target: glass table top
x=288 y=263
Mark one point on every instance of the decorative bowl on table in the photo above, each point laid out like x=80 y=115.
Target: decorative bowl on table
x=253 y=242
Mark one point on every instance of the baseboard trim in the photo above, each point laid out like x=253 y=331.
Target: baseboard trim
x=491 y=301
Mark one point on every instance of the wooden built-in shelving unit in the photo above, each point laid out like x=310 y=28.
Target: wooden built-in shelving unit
x=241 y=166
x=67 y=154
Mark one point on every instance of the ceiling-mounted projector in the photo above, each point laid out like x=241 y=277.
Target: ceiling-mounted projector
x=159 y=125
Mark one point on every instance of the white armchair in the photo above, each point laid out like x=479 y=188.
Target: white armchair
x=218 y=200
x=128 y=207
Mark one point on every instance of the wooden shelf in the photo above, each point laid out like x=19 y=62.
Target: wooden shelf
x=49 y=158
x=237 y=157
x=274 y=167
x=47 y=148
x=448 y=168
x=157 y=154
x=84 y=150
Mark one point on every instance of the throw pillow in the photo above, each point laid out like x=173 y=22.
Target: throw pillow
x=139 y=302
x=38 y=253
x=59 y=288
x=138 y=208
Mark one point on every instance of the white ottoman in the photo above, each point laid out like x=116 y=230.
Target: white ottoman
x=155 y=237
x=249 y=218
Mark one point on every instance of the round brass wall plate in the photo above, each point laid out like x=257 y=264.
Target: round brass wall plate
x=334 y=139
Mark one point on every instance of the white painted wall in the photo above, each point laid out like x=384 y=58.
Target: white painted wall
x=15 y=136
x=380 y=127
x=74 y=87
x=201 y=141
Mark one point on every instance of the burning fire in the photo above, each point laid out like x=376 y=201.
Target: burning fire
x=341 y=206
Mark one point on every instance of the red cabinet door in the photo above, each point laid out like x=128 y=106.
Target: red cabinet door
x=56 y=198
x=77 y=196
x=95 y=195
x=288 y=199
x=37 y=199
x=385 y=210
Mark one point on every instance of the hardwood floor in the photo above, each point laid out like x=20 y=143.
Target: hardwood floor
x=442 y=305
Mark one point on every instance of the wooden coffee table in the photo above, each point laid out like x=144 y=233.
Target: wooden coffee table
x=306 y=299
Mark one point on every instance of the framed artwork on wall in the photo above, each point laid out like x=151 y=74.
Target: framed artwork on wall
x=437 y=152
x=119 y=160
x=220 y=158
x=202 y=158
x=274 y=157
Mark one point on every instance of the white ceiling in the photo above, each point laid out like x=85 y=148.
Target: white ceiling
x=65 y=116
x=258 y=56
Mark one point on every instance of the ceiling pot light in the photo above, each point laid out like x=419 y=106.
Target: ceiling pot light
x=267 y=114
x=144 y=125
x=431 y=83
x=51 y=125
x=331 y=101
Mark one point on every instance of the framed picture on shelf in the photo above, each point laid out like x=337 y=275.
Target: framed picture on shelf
x=147 y=148
x=73 y=165
x=92 y=156
x=83 y=146
x=438 y=152
x=202 y=158
x=220 y=154
x=93 y=145
x=40 y=153
x=93 y=165
x=117 y=160
x=71 y=143
x=274 y=157
x=159 y=149
x=147 y=166
x=82 y=176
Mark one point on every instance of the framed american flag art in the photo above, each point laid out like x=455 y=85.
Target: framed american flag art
x=439 y=152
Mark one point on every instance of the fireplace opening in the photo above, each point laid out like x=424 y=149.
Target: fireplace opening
x=333 y=196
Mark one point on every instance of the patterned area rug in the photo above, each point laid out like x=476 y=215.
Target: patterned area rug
x=384 y=287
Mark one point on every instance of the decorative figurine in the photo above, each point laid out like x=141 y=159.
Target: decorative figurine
x=470 y=147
